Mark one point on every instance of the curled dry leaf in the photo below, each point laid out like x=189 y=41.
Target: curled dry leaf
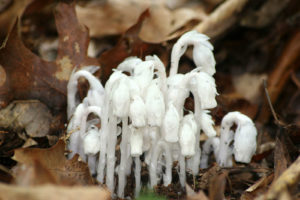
x=52 y=192
x=54 y=160
x=27 y=76
x=33 y=116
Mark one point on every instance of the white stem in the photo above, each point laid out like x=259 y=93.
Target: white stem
x=211 y=144
x=159 y=148
x=194 y=162
x=103 y=140
x=92 y=161
x=74 y=144
x=124 y=158
x=137 y=174
x=182 y=170
x=110 y=170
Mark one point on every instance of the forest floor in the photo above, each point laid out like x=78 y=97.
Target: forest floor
x=257 y=51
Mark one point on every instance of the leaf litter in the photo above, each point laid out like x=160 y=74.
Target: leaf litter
x=272 y=174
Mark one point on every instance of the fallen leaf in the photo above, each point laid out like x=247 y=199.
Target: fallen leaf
x=10 y=13
x=52 y=192
x=206 y=178
x=29 y=77
x=281 y=158
x=55 y=161
x=285 y=182
x=33 y=116
x=33 y=175
x=116 y=16
x=192 y=195
x=217 y=186
x=129 y=45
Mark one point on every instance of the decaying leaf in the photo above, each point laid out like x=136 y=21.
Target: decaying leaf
x=30 y=77
x=286 y=181
x=33 y=116
x=55 y=161
x=52 y=192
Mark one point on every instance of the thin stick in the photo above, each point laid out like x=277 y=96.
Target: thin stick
x=269 y=101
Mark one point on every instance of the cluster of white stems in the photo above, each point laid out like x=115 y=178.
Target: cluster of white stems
x=145 y=109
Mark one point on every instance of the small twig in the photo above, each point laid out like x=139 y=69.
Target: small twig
x=271 y=106
x=269 y=101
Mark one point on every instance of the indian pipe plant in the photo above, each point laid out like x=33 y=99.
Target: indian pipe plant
x=145 y=108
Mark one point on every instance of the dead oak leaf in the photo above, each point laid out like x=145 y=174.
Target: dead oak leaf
x=27 y=76
x=55 y=161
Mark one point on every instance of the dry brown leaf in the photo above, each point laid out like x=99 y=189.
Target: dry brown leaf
x=116 y=16
x=257 y=188
x=55 y=161
x=29 y=77
x=11 y=13
x=286 y=181
x=129 y=45
x=208 y=176
x=33 y=116
x=281 y=158
x=33 y=175
x=52 y=192
x=217 y=187
x=192 y=195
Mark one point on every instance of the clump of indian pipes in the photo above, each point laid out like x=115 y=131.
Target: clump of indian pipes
x=145 y=108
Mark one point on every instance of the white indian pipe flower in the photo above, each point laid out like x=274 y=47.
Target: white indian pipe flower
x=177 y=91
x=205 y=88
x=74 y=128
x=187 y=135
x=224 y=157
x=137 y=112
x=161 y=72
x=120 y=98
x=202 y=52
x=143 y=74
x=211 y=144
x=244 y=145
x=155 y=105
x=91 y=146
x=136 y=141
x=91 y=142
x=170 y=126
x=95 y=94
x=129 y=64
x=207 y=124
